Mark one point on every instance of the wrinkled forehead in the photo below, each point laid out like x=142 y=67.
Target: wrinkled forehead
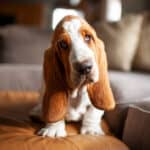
x=72 y=26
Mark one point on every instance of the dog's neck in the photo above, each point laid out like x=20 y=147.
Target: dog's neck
x=76 y=96
x=77 y=92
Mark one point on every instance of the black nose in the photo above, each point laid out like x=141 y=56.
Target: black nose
x=84 y=67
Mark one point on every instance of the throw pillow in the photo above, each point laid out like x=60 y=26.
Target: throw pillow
x=137 y=132
x=120 y=40
x=142 y=57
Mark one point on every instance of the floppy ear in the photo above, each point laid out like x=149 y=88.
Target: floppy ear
x=100 y=92
x=55 y=96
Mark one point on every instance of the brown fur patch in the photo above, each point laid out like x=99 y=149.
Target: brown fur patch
x=100 y=92
x=55 y=100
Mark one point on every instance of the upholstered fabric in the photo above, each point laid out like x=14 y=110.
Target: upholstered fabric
x=137 y=127
x=20 y=77
x=24 y=44
x=120 y=40
x=17 y=131
x=128 y=88
x=142 y=57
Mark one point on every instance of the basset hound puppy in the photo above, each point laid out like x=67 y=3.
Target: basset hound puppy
x=76 y=84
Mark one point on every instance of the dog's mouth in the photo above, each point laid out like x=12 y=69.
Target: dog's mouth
x=87 y=79
x=81 y=80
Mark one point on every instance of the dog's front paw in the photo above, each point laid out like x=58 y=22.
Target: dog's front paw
x=92 y=130
x=53 y=130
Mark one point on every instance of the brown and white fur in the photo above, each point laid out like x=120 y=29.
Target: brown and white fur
x=76 y=85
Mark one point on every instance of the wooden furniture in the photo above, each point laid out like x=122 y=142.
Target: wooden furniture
x=27 y=14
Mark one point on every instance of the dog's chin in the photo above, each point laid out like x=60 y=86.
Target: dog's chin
x=81 y=80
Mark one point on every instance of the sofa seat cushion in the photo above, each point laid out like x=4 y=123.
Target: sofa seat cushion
x=17 y=131
x=19 y=77
x=128 y=88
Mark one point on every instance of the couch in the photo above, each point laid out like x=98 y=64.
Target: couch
x=20 y=80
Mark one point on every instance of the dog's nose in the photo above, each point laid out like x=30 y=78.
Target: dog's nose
x=83 y=67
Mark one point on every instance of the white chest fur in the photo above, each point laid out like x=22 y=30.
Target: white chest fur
x=78 y=103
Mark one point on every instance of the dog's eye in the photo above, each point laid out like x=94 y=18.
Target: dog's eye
x=87 y=37
x=63 y=44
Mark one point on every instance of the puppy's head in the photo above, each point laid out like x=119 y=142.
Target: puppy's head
x=75 y=44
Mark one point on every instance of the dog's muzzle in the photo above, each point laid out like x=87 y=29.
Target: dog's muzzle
x=84 y=67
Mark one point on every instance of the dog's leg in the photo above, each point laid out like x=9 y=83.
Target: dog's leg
x=56 y=129
x=91 y=121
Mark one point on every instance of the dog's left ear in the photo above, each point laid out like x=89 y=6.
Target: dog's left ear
x=100 y=92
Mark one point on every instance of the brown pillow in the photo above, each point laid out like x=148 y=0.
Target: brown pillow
x=137 y=132
x=120 y=40
x=142 y=58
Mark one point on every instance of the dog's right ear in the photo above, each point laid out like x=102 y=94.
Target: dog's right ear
x=100 y=92
x=55 y=97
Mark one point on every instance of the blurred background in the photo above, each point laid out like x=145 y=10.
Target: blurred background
x=39 y=12
x=26 y=25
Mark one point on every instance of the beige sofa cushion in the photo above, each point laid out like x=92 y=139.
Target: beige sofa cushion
x=120 y=40
x=23 y=44
x=142 y=58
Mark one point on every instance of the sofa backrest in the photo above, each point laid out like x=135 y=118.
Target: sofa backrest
x=23 y=45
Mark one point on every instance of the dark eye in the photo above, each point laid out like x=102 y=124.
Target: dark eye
x=63 y=44
x=88 y=38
